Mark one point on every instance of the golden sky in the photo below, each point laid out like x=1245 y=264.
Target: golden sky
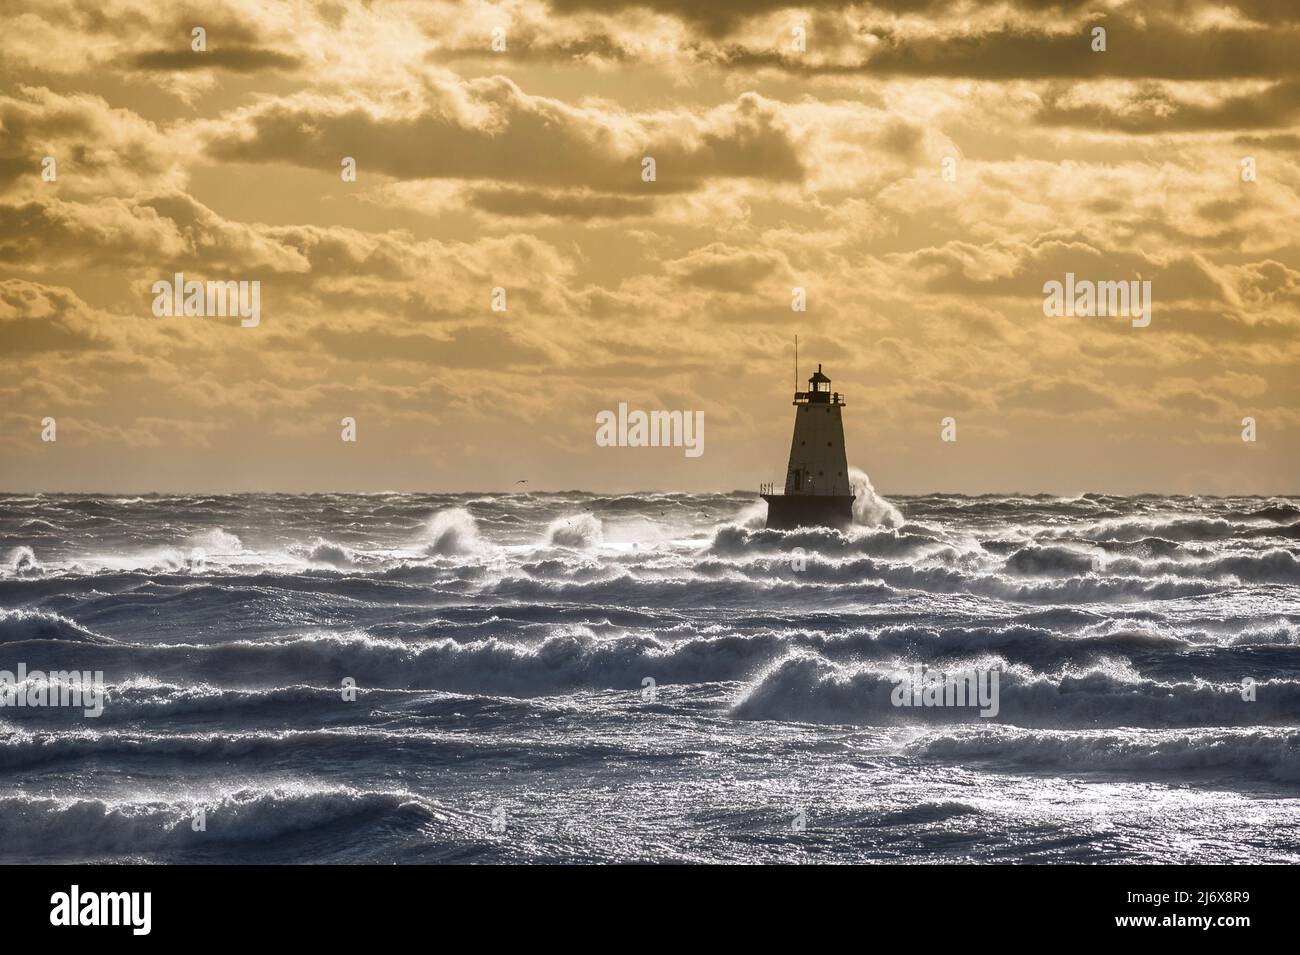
x=776 y=167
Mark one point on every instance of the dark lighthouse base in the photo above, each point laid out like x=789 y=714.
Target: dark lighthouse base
x=788 y=511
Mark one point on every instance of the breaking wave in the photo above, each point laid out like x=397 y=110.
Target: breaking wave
x=579 y=531
x=335 y=555
x=22 y=562
x=19 y=625
x=216 y=542
x=98 y=827
x=452 y=533
x=808 y=688
x=870 y=508
x=1050 y=561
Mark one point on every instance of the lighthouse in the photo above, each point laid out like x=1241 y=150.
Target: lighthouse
x=817 y=491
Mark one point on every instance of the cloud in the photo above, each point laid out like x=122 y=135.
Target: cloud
x=489 y=129
x=1015 y=269
x=1133 y=51
x=471 y=347
x=725 y=269
x=51 y=233
x=37 y=318
x=1155 y=109
x=98 y=150
x=237 y=59
x=559 y=204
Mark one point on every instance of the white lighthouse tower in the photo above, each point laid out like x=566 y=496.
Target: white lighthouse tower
x=817 y=491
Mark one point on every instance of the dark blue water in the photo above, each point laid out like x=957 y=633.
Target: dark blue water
x=502 y=650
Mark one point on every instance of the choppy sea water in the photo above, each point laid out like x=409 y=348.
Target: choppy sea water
x=500 y=647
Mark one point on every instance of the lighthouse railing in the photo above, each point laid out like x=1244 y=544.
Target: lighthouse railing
x=810 y=397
